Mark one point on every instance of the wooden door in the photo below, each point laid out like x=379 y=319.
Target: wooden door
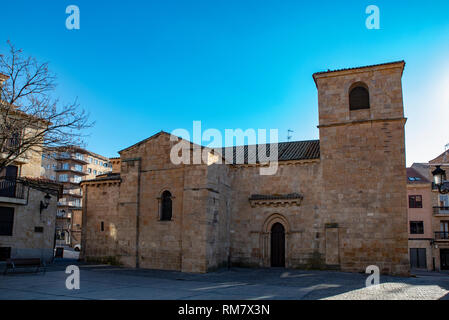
x=444 y=257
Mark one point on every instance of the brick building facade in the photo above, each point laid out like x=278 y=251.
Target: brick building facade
x=334 y=203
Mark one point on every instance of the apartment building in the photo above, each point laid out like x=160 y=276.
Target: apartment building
x=419 y=219
x=69 y=166
x=440 y=221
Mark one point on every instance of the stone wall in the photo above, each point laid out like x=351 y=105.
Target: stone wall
x=350 y=211
x=363 y=168
x=251 y=226
x=218 y=216
x=101 y=205
x=25 y=242
x=179 y=244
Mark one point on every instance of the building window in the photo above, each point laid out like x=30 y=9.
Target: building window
x=444 y=200
x=5 y=253
x=359 y=97
x=415 y=201
x=6 y=221
x=78 y=167
x=39 y=229
x=95 y=172
x=63 y=178
x=166 y=206
x=89 y=170
x=416 y=227
x=77 y=179
x=102 y=226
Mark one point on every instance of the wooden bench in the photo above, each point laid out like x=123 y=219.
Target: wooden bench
x=15 y=264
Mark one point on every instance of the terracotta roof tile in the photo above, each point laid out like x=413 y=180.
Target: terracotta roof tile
x=355 y=68
x=296 y=150
x=414 y=177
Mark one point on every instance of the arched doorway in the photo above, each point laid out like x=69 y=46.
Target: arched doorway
x=277 y=245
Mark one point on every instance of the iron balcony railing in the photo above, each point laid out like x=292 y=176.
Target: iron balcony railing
x=11 y=145
x=441 y=235
x=71 y=156
x=441 y=210
x=71 y=204
x=72 y=169
x=12 y=188
x=71 y=192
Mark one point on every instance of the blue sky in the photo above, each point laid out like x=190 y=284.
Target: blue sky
x=140 y=67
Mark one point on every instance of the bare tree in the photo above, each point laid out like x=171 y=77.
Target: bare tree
x=31 y=119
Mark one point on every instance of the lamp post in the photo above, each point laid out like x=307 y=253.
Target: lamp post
x=439 y=178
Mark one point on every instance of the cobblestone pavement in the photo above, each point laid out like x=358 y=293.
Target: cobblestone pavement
x=107 y=282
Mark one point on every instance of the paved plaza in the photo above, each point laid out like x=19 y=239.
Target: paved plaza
x=108 y=282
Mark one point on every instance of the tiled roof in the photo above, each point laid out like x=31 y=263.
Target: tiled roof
x=423 y=169
x=43 y=184
x=275 y=196
x=104 y=177
x=414 y=177
x=442 y=158
x=297 y=150
x=363 y=67
x=73 y=148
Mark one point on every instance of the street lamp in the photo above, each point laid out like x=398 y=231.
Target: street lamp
x=46 y=202
x=439 y=178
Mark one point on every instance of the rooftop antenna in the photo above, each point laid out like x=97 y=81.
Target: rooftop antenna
x=289 y=136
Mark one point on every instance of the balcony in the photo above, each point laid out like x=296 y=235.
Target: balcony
x=12 y=191
x=11 y=144
x=70 y=204
x=444 y=211
x=72 y=181
x=441 y=235
x=71 y=169
x=64 y=215
x=73 y=192
x=72 y=157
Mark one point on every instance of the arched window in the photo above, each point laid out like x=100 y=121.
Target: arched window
x=359 y=97
x=166 y=206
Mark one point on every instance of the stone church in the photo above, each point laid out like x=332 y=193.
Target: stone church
x=335 y=203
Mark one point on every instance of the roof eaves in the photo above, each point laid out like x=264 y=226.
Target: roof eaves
x=362 y=68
